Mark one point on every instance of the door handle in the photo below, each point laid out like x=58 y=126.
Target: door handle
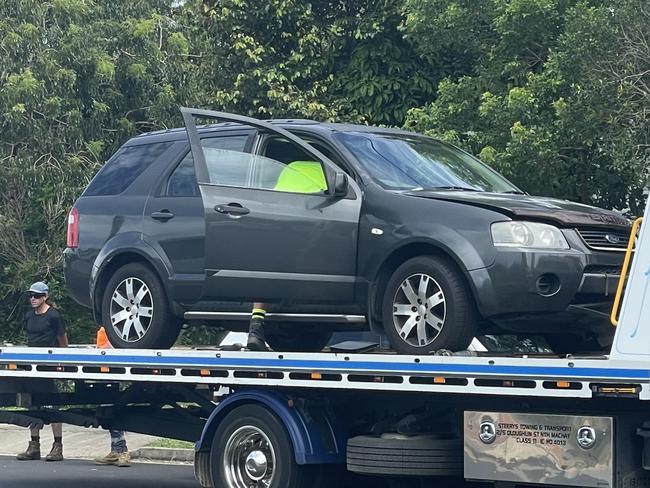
x=234 y=209
x=163 y=215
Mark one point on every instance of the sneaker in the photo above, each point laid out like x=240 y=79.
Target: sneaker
x=56 y=454
x=33 y=452
x=110 y=458
x=123 y=460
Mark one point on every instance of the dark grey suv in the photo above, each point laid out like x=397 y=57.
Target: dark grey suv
x=336 y=226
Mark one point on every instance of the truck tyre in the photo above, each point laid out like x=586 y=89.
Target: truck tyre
x=297 y=337
x=428 y=306
x=135 y=311
x=251 y=447
x=202 y=471
x=404 y=455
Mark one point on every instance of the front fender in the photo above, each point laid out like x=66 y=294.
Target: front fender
x=392 y=222
x=456 y=245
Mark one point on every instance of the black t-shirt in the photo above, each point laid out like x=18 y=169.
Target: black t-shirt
x=43 y=329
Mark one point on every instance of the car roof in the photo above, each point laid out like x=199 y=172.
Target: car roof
x=302 y=125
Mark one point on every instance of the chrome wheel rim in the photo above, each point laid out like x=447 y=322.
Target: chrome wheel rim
x=249 y=459
x=131 y=309
x=419 y=310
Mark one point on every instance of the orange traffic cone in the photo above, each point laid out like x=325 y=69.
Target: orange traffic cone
x=102 y=339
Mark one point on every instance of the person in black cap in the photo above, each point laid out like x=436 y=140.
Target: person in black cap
x=45 y=328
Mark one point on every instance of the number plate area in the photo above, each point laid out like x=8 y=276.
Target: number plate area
x=562 y=450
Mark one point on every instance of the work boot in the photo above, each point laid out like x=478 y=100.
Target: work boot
x=111 y=458
x=256 y=340
x=124 y=460
x=33 y=452
x=56 y=454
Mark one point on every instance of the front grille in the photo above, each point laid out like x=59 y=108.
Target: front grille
x=605 y=240
x=598 y=269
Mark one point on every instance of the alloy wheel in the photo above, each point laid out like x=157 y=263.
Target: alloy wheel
x=419 y=310
x=131 y=309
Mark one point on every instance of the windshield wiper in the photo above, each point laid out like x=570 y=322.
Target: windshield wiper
x=458 y=188
x=514 y=192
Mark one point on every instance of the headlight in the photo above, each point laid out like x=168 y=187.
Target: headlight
x=528 y=234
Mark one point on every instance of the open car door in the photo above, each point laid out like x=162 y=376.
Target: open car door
x=275 y=231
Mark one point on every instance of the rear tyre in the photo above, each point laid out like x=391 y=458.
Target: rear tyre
x=428 y=306
x=135 y=311
x=297 y=338
x=251 y=447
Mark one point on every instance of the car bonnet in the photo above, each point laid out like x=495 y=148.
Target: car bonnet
x=562 y=212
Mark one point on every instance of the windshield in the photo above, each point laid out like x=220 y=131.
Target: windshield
x=402 y=162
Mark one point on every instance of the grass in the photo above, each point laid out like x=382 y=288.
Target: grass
x=172 y=444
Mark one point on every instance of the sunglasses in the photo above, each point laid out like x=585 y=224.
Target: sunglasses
x=37 y=295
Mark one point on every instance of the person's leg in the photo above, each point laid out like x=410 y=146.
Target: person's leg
x=118 y=443
x=256 y=339
x=56 y=454
x=33 y=451
x=118 y=446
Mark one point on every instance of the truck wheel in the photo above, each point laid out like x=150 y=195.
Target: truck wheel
x=297 y=338
x=251 y=448
x=135 y=311
x=427 y=306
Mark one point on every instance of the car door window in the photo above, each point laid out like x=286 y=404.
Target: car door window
x=228 y=167
x=182 y=181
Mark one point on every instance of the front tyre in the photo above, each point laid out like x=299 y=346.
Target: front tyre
x=135 y=311
x=251 y=448
x=428 y=306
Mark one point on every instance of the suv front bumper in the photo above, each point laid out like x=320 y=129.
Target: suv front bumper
x=511 y=285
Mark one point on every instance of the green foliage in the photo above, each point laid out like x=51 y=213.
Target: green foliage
x=78 y=78
x=171 y=444
x=553 y=93
x=543 y=104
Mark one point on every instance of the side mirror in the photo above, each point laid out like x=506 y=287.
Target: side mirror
x=341 y=184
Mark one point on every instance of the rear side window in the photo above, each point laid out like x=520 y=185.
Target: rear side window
x=124 y=167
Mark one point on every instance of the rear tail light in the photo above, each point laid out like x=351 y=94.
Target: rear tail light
x=73 y=228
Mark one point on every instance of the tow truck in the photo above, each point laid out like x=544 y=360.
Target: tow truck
x=292 y=420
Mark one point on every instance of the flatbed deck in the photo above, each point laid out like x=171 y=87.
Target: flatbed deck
x=492 y=375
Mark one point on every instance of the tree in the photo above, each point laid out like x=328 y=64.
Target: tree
x=537 y=107
x=78 y=78
x=325 y=60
